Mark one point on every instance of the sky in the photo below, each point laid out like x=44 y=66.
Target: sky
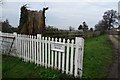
x=61 y=13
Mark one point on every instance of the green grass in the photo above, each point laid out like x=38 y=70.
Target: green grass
x=97 y=57
x=15 y=68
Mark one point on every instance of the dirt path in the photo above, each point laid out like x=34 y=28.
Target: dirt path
x=115 y=67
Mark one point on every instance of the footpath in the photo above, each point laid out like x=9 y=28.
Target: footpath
x=114 y=71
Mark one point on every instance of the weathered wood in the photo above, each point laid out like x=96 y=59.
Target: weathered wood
x=32 y=22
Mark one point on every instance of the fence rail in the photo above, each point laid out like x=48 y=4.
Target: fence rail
x=61 y=54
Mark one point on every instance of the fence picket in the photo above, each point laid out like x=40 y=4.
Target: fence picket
x=67 y=57
x=49 y=52
x=19 y=43
x=63 y=59
x=27 y=48
x=71 y=62
x=55 y=55
x=35 y=51
x=24 y=49
x=59 y=58
x=46 y=51
x=40 y=50
x=18 y=46
x=21 y=47
x=30 y=48
x=52 y=63
x=34 y=48
x=43 y=51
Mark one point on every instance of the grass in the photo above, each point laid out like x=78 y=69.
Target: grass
x=15 y=68
x=97 y=58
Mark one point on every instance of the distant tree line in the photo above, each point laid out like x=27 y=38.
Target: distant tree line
x=51 y=31
x=51 y=28
x=6 y=27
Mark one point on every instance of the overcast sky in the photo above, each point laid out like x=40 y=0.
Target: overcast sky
x=61 y=14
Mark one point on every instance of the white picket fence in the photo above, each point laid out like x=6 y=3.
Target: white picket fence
x=61 y=54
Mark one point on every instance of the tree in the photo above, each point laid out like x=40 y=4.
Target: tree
x=85 y=26
x=6 y=27
x=91 y=29
x=110 y=18
x=101 y=26
x=80 y=27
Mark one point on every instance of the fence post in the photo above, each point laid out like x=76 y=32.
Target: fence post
x=46 y=54
x=0 y=33
x=0 y=41
x=1 y=54
x=38 y=49
x=15 y=41
x=79 y=56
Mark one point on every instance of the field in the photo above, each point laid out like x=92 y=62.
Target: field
x=97 y=58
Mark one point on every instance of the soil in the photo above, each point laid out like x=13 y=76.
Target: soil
x=114 y=71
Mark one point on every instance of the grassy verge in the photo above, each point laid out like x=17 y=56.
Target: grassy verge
x=97 y=57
